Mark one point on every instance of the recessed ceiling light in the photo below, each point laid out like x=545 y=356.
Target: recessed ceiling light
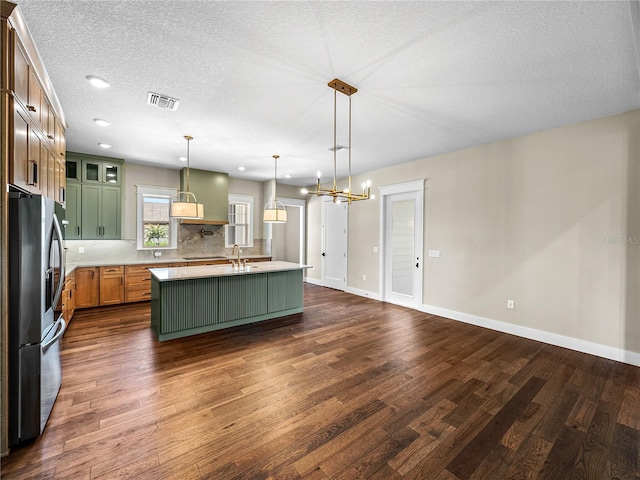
x=104 y=145
x=241 y=169
x=182 y=159
x=97 y=81
x=102 y=122
x=288 y=175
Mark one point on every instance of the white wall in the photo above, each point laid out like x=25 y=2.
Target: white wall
x=542 y=219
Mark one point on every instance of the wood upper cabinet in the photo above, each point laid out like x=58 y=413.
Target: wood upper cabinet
x=87 y=287
x=20 y=71
x=34 y=118
x=111 y=285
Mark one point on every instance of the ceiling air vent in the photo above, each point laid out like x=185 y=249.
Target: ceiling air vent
x=163 y=101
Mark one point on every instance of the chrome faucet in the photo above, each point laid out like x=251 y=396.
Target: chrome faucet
x=233 y=250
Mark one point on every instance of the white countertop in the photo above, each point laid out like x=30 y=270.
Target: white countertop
x=205 y=271
x=70 y=267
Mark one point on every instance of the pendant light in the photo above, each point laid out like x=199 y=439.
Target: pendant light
x=274 y=210
x=345 y=194
x=181 y=205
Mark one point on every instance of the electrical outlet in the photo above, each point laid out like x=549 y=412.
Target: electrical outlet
x=80 y=249
x=364 y=277
x=511 y=304
x=375 y=249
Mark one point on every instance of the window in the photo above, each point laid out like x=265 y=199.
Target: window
x=239 y=231
x=156 y=229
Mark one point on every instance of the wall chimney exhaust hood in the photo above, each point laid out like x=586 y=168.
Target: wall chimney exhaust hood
x=212 y=190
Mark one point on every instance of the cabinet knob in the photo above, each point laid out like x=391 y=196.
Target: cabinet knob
x=31 y=108
x=50 y=137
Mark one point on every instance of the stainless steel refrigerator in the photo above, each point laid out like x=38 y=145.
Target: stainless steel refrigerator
x=36 y=277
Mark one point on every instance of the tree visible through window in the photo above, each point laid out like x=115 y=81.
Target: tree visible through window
x=155 y=229
x=156 y=221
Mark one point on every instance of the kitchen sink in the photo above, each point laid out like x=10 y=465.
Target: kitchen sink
x=208 y=257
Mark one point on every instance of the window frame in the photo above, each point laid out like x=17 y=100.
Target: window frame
x=143 y=191
x=243 y=199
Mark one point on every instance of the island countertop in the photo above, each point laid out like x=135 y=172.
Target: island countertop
x=206 y=271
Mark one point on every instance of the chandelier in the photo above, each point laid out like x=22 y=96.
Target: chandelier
x=181 y=205
x=347 y=194
x=274 y=210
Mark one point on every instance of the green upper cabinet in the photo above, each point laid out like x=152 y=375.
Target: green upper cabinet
x=72 y=213
x=101 y=172
x=212 y=190
x=100 y=212
x=94 y=211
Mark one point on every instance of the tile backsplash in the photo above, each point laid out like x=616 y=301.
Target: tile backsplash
x=193 y=241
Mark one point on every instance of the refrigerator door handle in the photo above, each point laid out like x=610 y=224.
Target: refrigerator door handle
x=60 y=285
x=62 y=328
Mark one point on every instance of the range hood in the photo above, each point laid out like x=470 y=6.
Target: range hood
x=212 y=190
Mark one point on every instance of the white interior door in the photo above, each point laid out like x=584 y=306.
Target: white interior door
x=402 y=245
x=334 y=245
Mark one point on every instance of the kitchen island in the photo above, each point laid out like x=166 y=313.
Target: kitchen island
x=191 y=300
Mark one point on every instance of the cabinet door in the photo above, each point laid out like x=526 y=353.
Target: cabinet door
x=52 y=184
x=111 y=285
x=35 y=97
x=61 y=182
x=60 y=141
x=43 y=167
x=20 y=161
x=90 y=212
x=111 y=173
x=33 y=165
x=74 y=169
x=72 y=214
x=110 y=213
x=87 y=287
x=20 y=72
x=92 y=171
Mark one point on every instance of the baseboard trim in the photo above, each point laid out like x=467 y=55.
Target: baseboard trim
x=363 y=293
x=313 y=281
x=584 y=346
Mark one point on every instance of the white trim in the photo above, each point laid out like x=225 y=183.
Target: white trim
x=247 y=199
x=584 y=346
x=364 y=293
x=314 y=281
x=141 y=191
x=398 y=188
x=414 y=186
x=302 y=204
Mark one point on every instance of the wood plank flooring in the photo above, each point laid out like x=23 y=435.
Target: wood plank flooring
x=351 y=388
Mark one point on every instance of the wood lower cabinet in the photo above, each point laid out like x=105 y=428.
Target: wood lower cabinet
x=138 y=281
x=87 y=287
x=69 y=297
x=111 y=285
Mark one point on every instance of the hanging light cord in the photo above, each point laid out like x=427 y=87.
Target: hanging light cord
x=275 y=176
x=188 y=138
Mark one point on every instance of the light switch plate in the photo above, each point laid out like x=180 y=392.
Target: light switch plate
x=434 y=253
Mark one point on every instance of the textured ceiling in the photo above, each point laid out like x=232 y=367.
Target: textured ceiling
x=252 y=77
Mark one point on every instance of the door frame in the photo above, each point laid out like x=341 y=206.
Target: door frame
x=302 y=205
x=386 y=191
x=325 y=201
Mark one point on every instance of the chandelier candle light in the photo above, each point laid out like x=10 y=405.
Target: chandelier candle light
x=346 y=194
x=274 y=210
x=181 y=206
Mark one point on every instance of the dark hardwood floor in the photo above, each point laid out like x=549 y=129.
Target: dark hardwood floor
x=352 y=388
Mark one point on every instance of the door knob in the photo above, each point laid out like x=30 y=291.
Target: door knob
x=323 y=254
